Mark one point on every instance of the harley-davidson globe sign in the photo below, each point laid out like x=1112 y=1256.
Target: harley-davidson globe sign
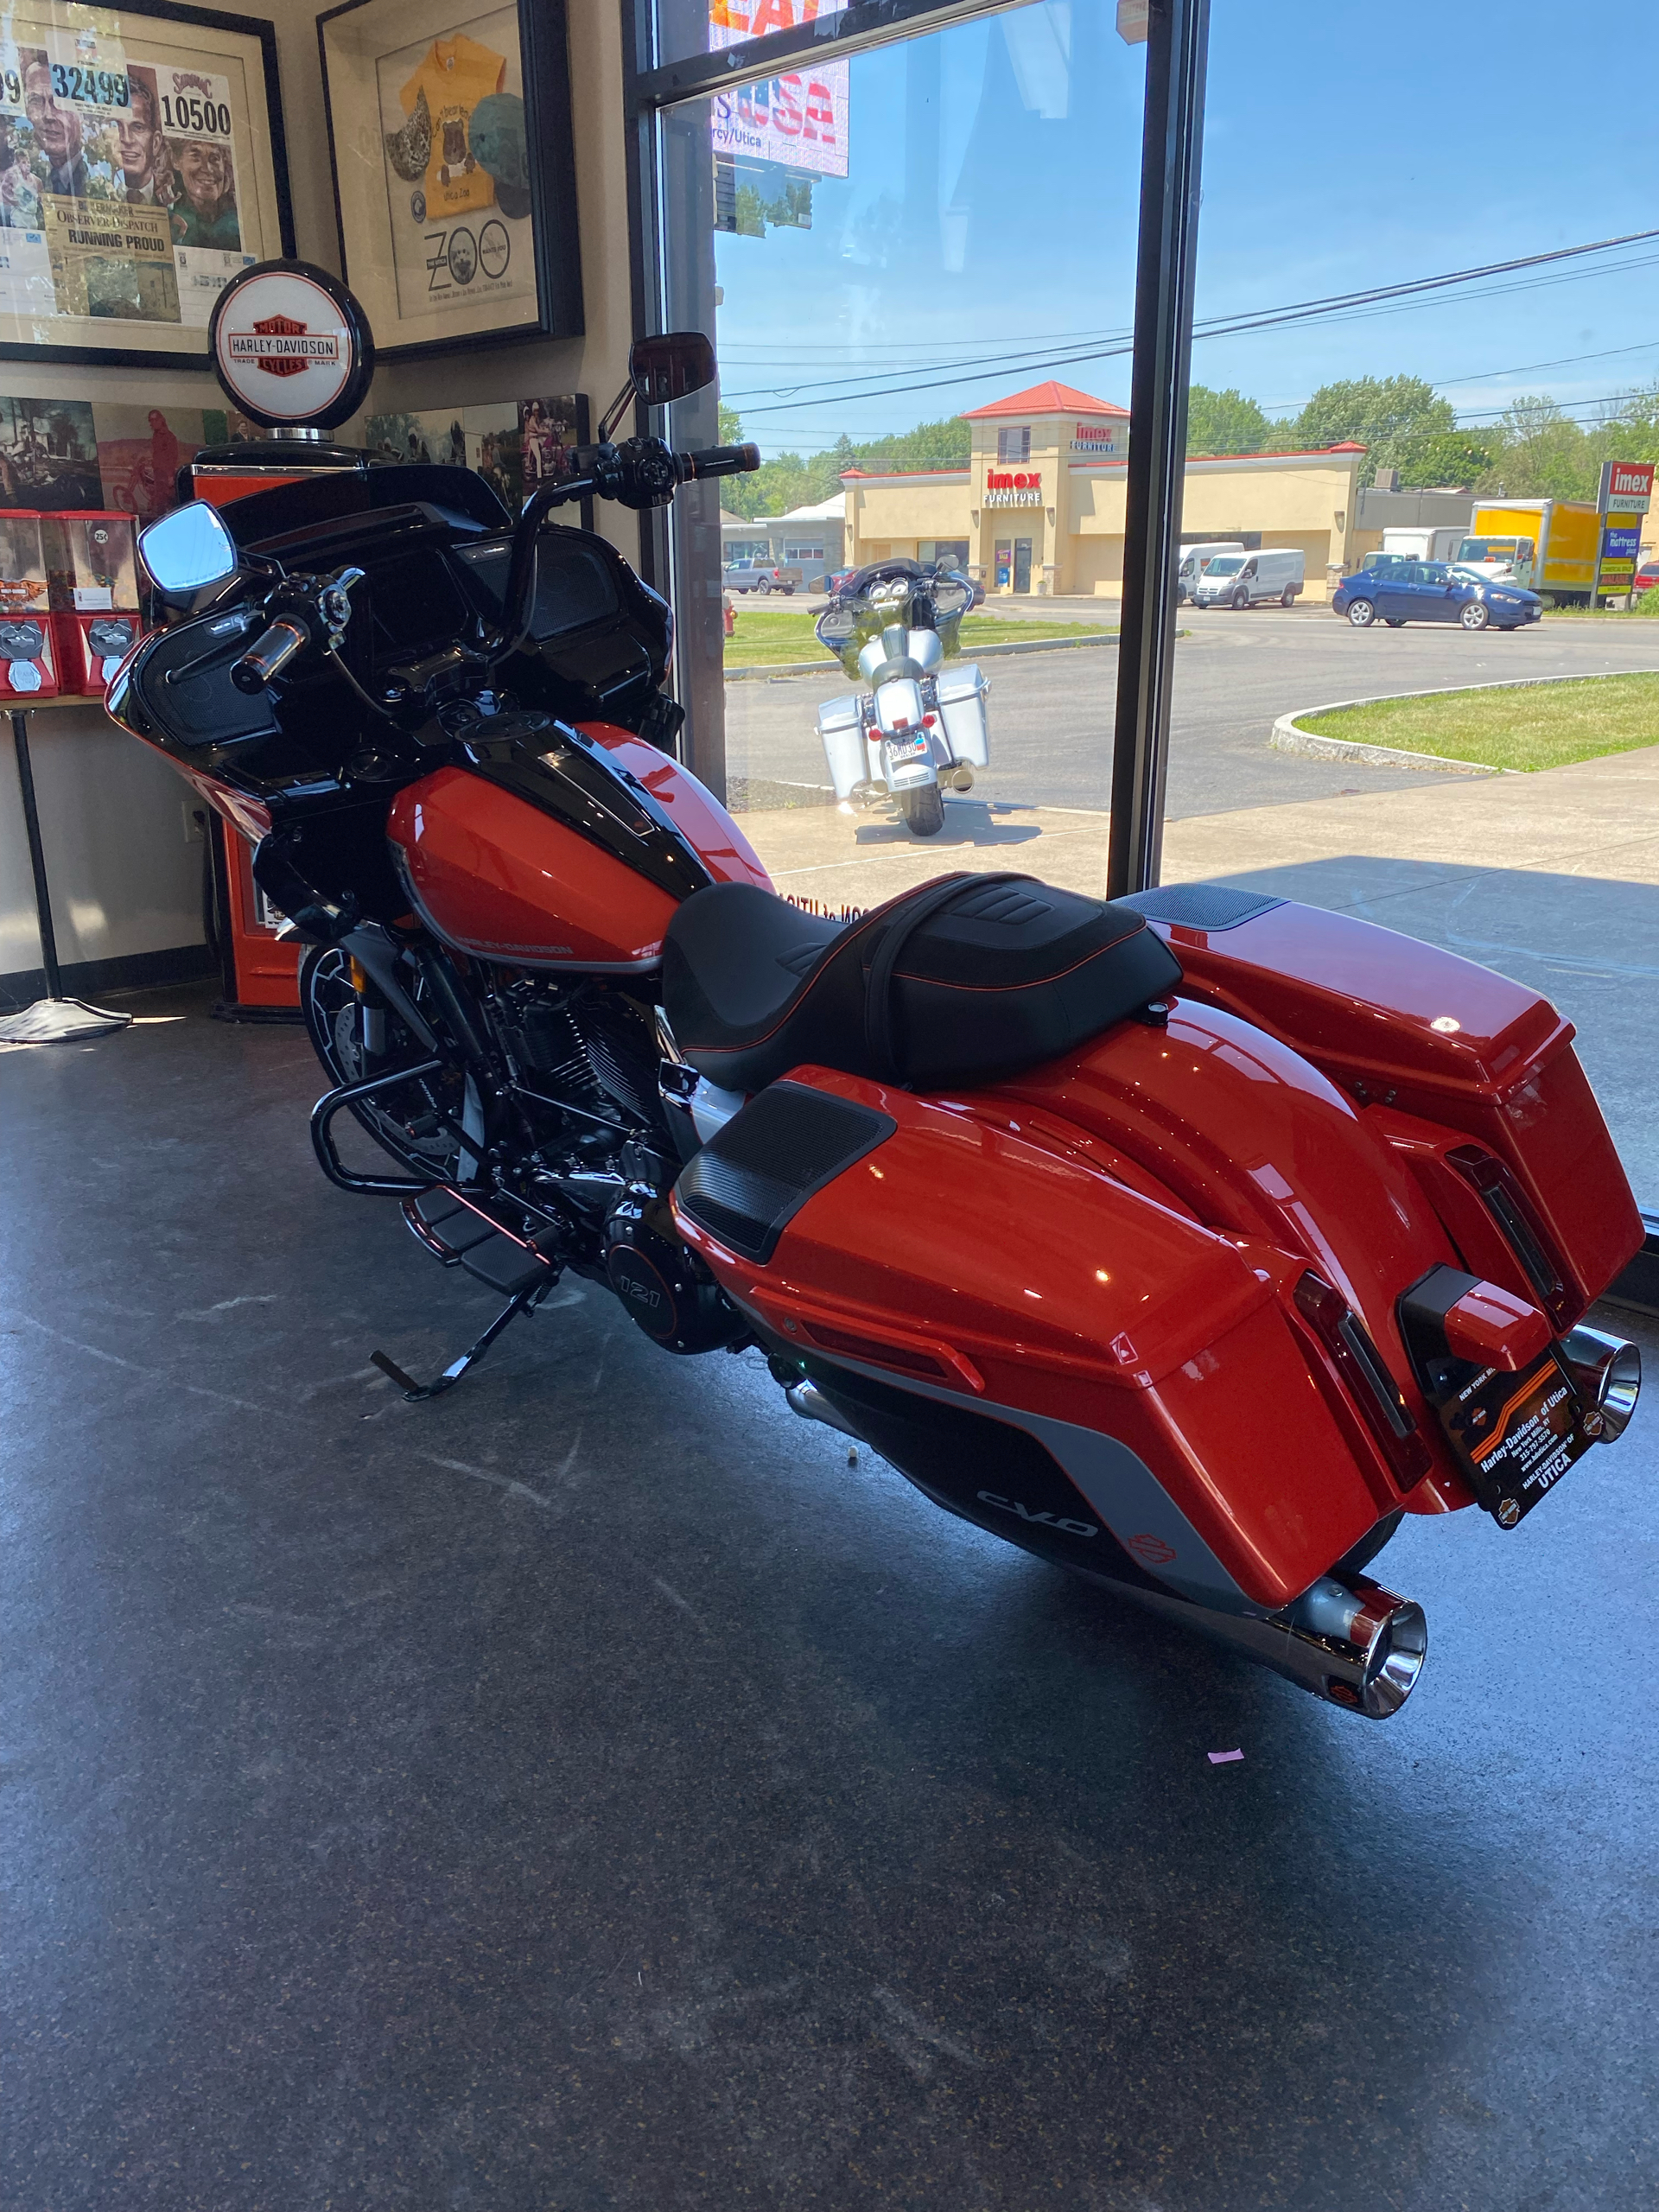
x=291 y=346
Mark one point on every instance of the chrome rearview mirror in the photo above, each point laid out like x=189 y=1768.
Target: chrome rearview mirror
x=188 y=550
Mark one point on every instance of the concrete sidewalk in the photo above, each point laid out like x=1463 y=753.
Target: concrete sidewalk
x=1553 y=879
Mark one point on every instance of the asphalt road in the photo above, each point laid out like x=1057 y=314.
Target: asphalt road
x=1051 y=713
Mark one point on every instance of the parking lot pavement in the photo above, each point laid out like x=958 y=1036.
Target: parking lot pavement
x=1052 y=715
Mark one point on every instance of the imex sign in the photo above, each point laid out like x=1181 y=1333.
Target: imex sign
x=1097 y=440
x=1005 y=490
x=1626 y=487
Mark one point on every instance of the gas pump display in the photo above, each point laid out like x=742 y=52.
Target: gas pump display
x=93 y=569
x=28 y=663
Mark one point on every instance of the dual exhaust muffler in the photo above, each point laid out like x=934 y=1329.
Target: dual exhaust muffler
x=1347 y=1640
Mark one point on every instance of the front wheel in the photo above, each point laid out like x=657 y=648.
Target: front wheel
x=923 y=810
x=1241 y=600
x=1361 y=614
x=763 y=590
x=1474 y=616
x=1394 y=621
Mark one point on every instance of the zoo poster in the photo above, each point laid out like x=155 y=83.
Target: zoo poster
x=135 y=176
x=431 y=135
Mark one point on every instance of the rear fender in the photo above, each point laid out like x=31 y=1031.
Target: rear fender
x=1006 y=1274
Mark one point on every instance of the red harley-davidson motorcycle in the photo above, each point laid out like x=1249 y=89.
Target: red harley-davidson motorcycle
x=1187 y=1241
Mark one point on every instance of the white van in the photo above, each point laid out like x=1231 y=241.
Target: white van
x=1195 y=559
x=1246 y=579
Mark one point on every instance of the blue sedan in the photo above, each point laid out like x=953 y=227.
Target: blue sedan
x=1433 y=591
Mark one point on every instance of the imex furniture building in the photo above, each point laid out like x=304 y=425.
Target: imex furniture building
x=1039 y=507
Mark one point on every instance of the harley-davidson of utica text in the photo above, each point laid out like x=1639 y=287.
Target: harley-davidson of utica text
x=1187 y=1241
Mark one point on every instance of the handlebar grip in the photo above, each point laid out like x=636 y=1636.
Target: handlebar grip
x=722 y=461
x=269 y=655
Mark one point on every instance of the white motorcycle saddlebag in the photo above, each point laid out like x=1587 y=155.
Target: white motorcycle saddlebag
x=963 y=691
x=844 y=750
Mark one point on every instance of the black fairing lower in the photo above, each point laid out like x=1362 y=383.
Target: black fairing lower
x=956 y=1456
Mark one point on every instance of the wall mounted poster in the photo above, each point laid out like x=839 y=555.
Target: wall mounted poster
x=515 y=445
x=59 y=454
x=449 y=128
x=140 y=169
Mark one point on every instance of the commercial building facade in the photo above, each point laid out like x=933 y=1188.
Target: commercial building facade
x=1039 y=508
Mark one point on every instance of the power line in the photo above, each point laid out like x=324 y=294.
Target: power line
x=1335 y=304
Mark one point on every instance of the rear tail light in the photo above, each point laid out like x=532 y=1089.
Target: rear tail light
x=1528 y=1239
x=1370 y=1386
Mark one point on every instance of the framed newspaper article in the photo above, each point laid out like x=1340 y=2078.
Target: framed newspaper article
x=141 y=167
x=455 y=182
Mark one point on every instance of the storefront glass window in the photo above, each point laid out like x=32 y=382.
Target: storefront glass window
x=926 y=328
x=1418 y=440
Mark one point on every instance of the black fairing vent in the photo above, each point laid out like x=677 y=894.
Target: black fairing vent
x=750 y=1181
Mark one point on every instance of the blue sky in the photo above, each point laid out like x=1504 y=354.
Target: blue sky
x=989 y=211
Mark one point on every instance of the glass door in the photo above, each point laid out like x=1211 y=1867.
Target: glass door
x=917 y=263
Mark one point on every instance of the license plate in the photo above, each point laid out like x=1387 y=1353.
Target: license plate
x=1516 y=1435
x=907 y=748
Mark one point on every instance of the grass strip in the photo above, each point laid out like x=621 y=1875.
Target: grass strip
x=1525 y=726
x=760 y=639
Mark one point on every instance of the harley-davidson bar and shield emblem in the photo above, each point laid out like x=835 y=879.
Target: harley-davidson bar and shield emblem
x=282 y=346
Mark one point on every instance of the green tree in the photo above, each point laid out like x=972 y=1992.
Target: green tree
x=1226 y=422
x=731 y=426
x=1445 y=457
x=1386 y=415
x=944 y=444
x=1539 y=453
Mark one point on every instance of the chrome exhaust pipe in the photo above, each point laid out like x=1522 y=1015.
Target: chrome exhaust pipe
x=1608 y=1373
x=1349 y=1642
x=810 y=1402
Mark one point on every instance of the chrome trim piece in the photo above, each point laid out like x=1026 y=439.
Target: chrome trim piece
x=810 y=1402
x=1608 y=1372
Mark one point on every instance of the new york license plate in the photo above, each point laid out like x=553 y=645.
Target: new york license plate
x=1517 y=1435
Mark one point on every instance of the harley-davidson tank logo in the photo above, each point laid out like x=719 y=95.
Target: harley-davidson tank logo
x=282 y=347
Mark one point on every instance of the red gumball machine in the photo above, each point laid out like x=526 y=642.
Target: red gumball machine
x=28 y=666
x=92 y=569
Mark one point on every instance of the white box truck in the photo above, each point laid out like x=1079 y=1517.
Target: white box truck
x=1246 y=579
x=1423 y=543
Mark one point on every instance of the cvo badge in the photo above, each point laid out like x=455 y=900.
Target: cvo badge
x=291 y=346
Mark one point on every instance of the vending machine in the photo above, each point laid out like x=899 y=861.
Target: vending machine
x=92 y=575
x=29 y=667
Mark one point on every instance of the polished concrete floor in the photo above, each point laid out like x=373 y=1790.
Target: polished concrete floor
x=590 y=1792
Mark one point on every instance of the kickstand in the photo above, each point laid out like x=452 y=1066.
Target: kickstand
x=524 y=1301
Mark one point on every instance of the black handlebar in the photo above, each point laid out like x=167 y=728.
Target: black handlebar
x=269 y=655
x=721 y=461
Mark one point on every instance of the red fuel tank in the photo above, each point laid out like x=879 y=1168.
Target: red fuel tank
x=493 y=874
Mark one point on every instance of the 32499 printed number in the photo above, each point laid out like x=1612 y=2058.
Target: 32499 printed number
x=92 y=87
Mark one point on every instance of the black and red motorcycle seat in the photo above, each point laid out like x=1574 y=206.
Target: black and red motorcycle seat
x=965 y=980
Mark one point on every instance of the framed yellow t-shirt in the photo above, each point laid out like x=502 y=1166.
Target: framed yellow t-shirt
x=454 y=75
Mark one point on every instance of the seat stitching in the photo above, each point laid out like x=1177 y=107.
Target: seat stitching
x=1034 y=983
